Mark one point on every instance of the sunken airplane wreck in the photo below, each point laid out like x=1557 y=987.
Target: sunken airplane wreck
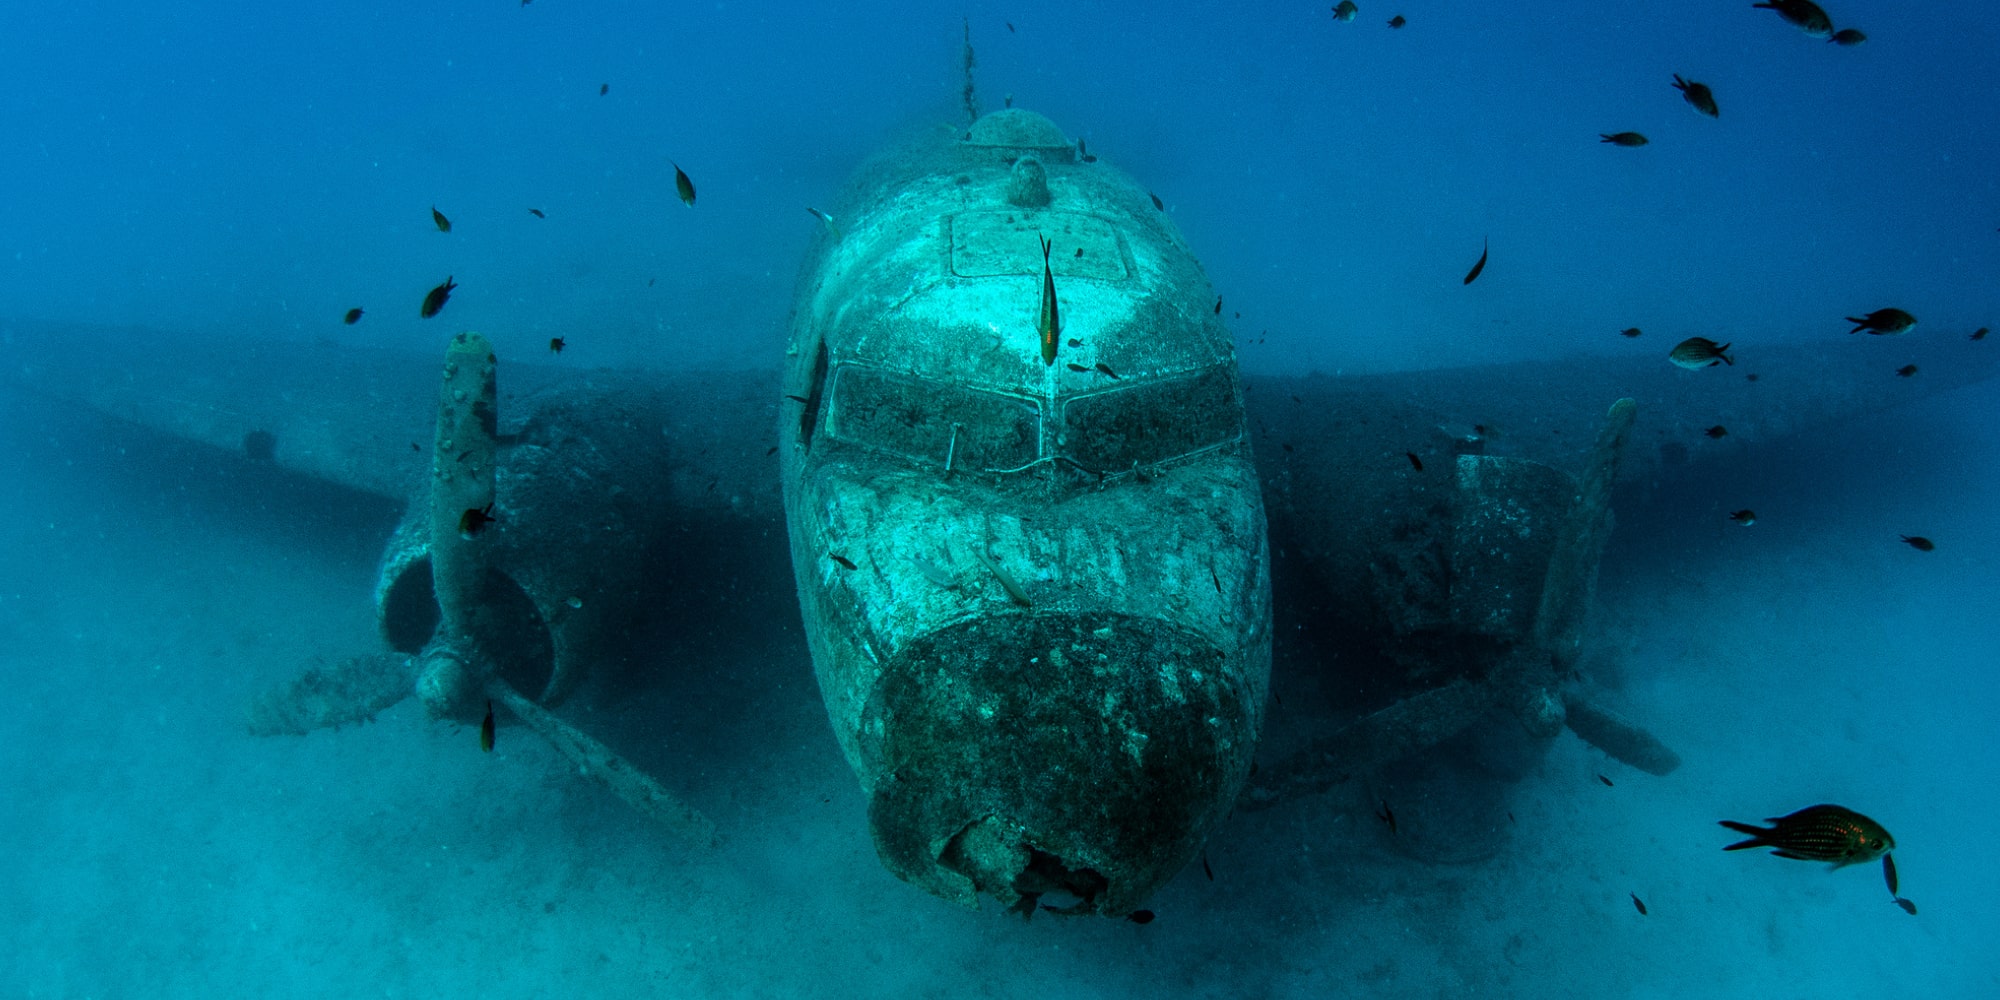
x=1039 y=591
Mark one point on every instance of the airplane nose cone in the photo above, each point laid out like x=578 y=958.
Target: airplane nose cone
x=1084 y=757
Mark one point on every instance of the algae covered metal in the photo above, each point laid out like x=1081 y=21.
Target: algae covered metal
x=1037 y=592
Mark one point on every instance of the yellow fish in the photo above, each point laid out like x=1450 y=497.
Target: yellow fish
x=1051 y=324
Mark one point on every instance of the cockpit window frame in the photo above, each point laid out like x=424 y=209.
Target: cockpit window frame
x=953 y=457
x=1052 y=437
x=1073 y=455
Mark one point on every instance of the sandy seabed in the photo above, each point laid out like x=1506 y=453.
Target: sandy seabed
x=154 y=848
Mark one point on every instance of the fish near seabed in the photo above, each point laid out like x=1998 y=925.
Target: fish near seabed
x=1697 y=95
x=1699 y=352
x=1050 y=326
x=1882 y=321
x=1834 y=834
x=1806 y=15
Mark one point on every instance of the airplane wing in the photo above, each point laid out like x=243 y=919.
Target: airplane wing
x=363 y=417
x=349 y=415
x=627 y=454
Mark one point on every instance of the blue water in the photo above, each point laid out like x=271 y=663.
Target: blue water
x=257 y=169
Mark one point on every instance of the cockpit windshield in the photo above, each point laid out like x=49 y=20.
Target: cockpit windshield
x=1151 y=422
x=935 y=423
x=948 y=426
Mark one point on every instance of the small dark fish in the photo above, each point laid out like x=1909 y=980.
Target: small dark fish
x=1918 y=542
x=1287 y=447
x=474 y=521
x=1106 y=369
x=845 y=563
x=1718 y=432
x=1639 y=903
x=1397 y=21
x=1853 y=36
x=1629 y=332
x=436 y=298
x=773 y=450
x=1073 y=342
x=537 y=213
x=1210 y=872
x=1882 y=321
x=798 y=399
x=1752 y=377
x=354 y=316
x=1698 y=95
x=1079 y=251
x=1626 y=139
x=416 y=447
x=556 y=344
x=1073 y=366
x=683 y=186
x=1906 y=371
x=1908 y=907
x=1889 y=872
x=1415 y=462
x=486 y=729
x=603 y=89
x=1157 y=203
x=1140 y=916
x=1699 y=352
x=1818 y=833
x=1212 y=578
x=1010 y=27
x=443 y=224
x=1218 y=305
x=1481 y=266
x=1388 y=816
x=1607 y=781
x=1084 y=154
x=1804 y=14
x=1345 y=11
x=1745 y=517
x=1979 y=334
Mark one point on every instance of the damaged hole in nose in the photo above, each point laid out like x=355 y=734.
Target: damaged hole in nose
x=1046 y=874
x=990 y=854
